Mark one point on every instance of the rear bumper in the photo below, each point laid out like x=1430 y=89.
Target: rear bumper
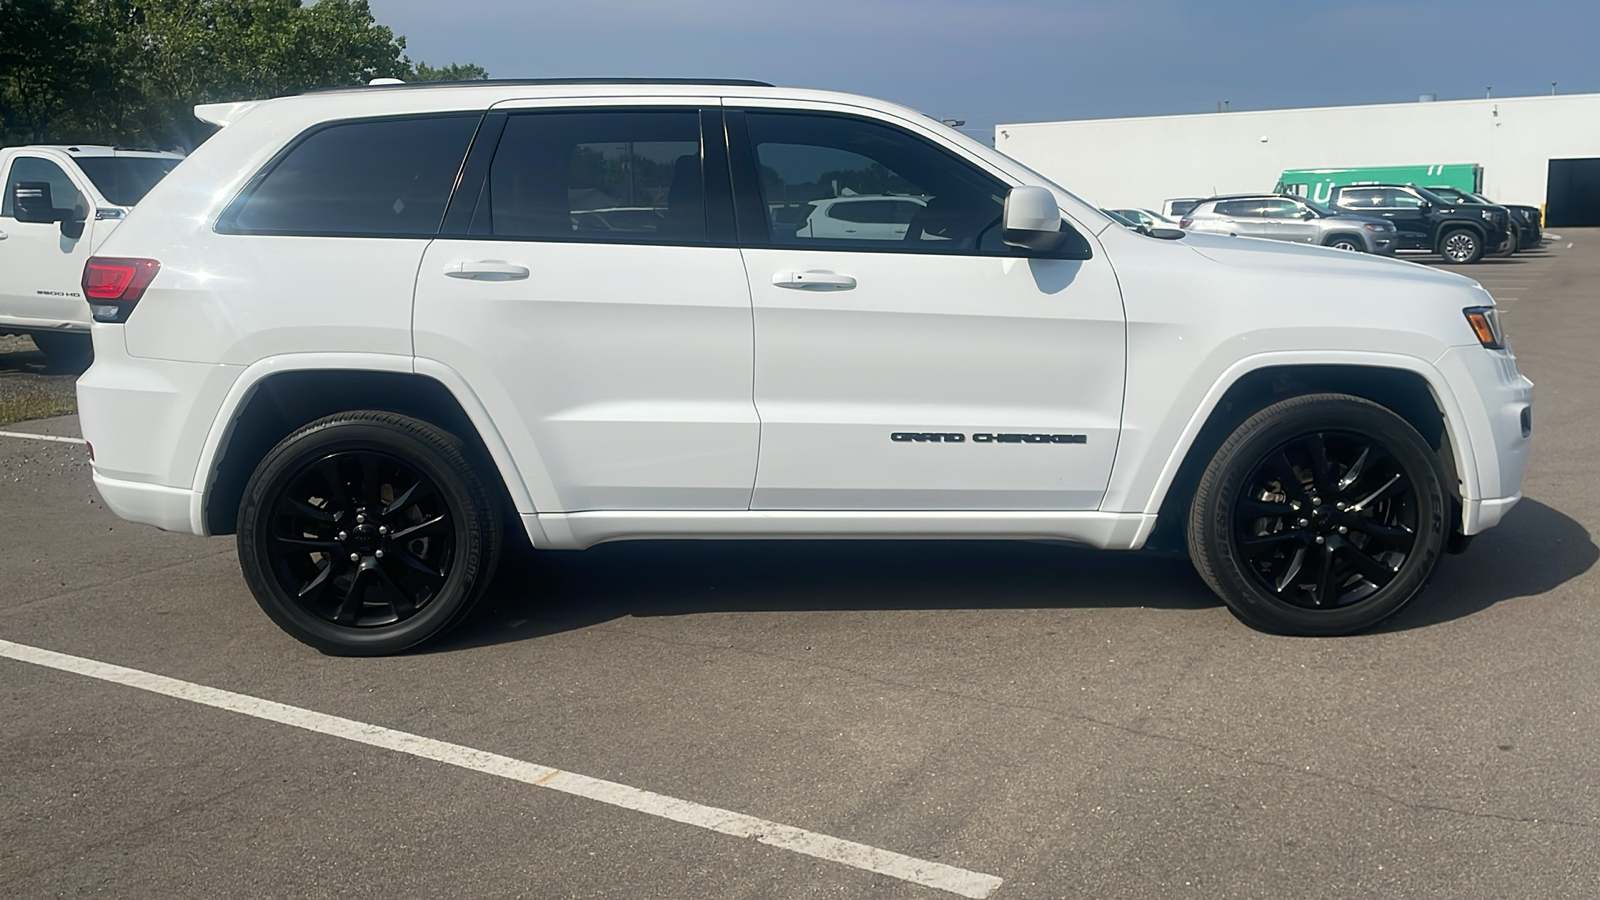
x=167 y=508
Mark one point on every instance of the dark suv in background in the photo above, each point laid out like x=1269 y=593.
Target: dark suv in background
x=1527 y=222
x=1459 y=232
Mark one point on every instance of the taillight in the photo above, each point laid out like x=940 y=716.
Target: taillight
x=1185 y=222
x=113 y=285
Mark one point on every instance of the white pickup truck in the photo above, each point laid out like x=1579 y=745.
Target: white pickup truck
x=60 y=203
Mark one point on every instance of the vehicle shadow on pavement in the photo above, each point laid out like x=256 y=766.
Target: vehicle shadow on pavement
x=1535 y=550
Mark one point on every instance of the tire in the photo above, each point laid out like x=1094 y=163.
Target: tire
x=1346 y=242
x=1245 y=534
x=72 y=350
x=367 y=533
x=1461 y=246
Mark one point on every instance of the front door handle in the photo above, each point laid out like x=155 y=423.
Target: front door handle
x=814 y=280
x=487 y=270
x=2 y=235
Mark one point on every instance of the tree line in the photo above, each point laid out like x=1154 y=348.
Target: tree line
x=129 y=72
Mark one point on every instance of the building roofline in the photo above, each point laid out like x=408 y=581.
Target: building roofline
x=1298 y=109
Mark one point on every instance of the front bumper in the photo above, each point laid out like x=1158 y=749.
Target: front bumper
x=1497 y=409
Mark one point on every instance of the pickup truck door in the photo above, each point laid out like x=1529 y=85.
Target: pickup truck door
x=41 y=268
x=938 y=370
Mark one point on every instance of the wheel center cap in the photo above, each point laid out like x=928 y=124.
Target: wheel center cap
x=365 y=537
x=1321 y=517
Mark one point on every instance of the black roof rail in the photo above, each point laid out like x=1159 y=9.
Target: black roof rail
x=503 y=82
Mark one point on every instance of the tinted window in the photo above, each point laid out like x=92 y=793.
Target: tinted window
x=882 y=212
x=627 y=176
x=1239 y=209
x=63 y=194
x=1361 y=198
x=1394 y=198
x=380 y=177
x=938 y=203
x=124 y=180
x=1280 y=209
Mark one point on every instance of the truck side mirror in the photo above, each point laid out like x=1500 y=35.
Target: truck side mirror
x=31 y=202
x=72 y=223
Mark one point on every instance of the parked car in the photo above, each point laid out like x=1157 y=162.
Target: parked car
x=1144 y=217
x=357 y=330
x=1285 y=217
x=1528 y=220
x=865 y=217
x=1461 y=233
x=1178 y=207
x=59 y=204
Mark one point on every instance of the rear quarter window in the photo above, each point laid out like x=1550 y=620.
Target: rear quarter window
x=368 y=178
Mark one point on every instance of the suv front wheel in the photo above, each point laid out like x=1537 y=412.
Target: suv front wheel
x=1320 y=515
x=366 y=533
x=1461 y=246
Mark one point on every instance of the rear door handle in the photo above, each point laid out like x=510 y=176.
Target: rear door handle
x=814 y=280
x=487 y=270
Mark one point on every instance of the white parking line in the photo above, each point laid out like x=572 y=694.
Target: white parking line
x=42 y=437
x=861 y=856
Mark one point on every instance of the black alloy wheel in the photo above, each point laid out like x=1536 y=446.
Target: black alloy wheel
x=367 y=533
x=1321 y=515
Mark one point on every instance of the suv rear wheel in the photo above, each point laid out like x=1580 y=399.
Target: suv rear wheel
x=366 y=533
x=1461 y=246
x=1320 y=515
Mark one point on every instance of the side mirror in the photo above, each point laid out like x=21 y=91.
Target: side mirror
x=31 y=202
x=73 y=223
x=1307 y=214
x=1031 y=220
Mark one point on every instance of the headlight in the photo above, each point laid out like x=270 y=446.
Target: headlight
x=1487 y=214
x=1377 y=226
x=1485 y=322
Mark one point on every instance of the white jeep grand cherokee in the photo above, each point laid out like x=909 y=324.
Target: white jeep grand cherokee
x=363 y=329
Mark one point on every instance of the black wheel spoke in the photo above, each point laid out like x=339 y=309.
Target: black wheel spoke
x=1370 y=569
x=435 y=525
x=399 y=598
x=313 y=590
x=314 y=513
x=338 y=490
x=1389 y=533
x=1316 y=448
x=371 y=480
x=1319 y=593
x=430 y=576
x=404 y=500
x=1278 y=466
x=316 y=545
x=350 y=604
x=1263 y=509
x=1256 y=543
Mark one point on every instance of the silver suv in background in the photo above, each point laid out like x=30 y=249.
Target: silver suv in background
x=1284 y=217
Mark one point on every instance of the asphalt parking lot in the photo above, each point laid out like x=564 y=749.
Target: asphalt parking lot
x=1060 y=722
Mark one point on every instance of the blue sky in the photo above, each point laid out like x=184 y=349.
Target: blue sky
x=1031 y=60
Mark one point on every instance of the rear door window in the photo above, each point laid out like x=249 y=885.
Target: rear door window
x=633 y=176
x=368 y=178
x=1240 y=209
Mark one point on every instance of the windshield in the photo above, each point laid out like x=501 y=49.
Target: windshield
x=1479 y=198
x=1431 y=197
x=124 y=180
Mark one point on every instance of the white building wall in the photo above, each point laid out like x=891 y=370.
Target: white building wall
x=1141 y=162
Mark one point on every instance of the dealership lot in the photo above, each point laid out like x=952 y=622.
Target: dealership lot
x=1072 y=723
